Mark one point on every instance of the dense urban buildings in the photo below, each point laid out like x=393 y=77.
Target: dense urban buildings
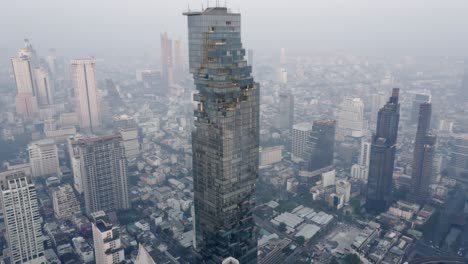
x=22 y=218
x=84 y=84
x=382 y=156
x=226 y=137
x=43 y=157
x=104 y=173
x=65 y=203
x=423 y=155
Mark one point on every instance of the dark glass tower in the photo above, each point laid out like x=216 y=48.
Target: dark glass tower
x=423 y=155
x=382 y=157
x=226 y=137
x=321 y=144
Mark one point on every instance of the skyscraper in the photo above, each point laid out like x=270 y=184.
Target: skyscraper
x=45 y=87
x=179 y=61
x=43 y=157
x=65 y=203
x=423 y=155
x=22 y=218
x=300 y=134
x=226 y=137
x=417 y=101
x=458 y=163
x=321 y=145
x=351 y=119
x=378 y=101
x=104 y=173
x=285 y=119
x=166 y=59
x=108 y=247
x=382 y=157
x=84 y=84
x=23 y=68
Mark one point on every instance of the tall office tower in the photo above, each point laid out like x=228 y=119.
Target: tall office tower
x=351 y=119
x=75 y=163
x=22 y=219
x=166 y=59
x=52 y=62
x=382 y=157
x=250 y=56
x=458 y=163
x=65 y=203
x=282 y=76
x=300 y=135
x=378 y=101
x=285 y=119
x=179 y=61
x=108 y=247
x=417 y=101
x=283 y=57
x=423 y=155
x=321 y=145
x=361 y=170
x=45 y=88
x=43 y=157
x=226 y=137
x=84 y=84
x=23 y=69
x=104 y=173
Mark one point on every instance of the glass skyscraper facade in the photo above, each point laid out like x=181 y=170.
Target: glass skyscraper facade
x=382 y=156
x=225 y=141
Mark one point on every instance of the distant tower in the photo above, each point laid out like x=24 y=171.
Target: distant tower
x=423 y=155
x=351 y=119
x=285 y=118
x=52 y=62
x=106 y=237
x=417 y=101
x=283 y=58
x=166 y=59
x=84 y=83
x=378 y=101
x=104 y=173
x=22 y=218
x=225 y=141
x=300 y=135
x=321 y=145
x=24 y=66
x=179 y=61
x=382 y=157
x=45 y=87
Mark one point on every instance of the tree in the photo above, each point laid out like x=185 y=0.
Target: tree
x=282 y=227
x=352 y=259
x=334 y=261
x=300 y=241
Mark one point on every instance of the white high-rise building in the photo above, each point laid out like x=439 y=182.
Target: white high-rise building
x=364 y=157
x=45 y=88
x=351 y=119
x=22 y=219
x=84 y=84
x=65 y=203
x=75 y=163
x=344 y=188
x=23 y=69
x=300 y=134
x=130 y=142
x=43 y=157
x=106 y=237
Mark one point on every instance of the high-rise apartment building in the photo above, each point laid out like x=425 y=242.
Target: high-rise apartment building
x=226 y=137
x=458 y=163
x=166 y=59
x=75 y=163
x=24 y=66
x=179 y=61
x=84 y=84
x=351 y=119
x=43 y=157
x=285 y=119
x=300 y=135
x=64 y=201
x=45 y=87
x=423 y=155
x=104 y=173
x=321 y=145
x=382 y=157
x=22 y=219
x=108 y=247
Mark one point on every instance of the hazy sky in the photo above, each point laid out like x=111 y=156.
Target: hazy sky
x=113 y=27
